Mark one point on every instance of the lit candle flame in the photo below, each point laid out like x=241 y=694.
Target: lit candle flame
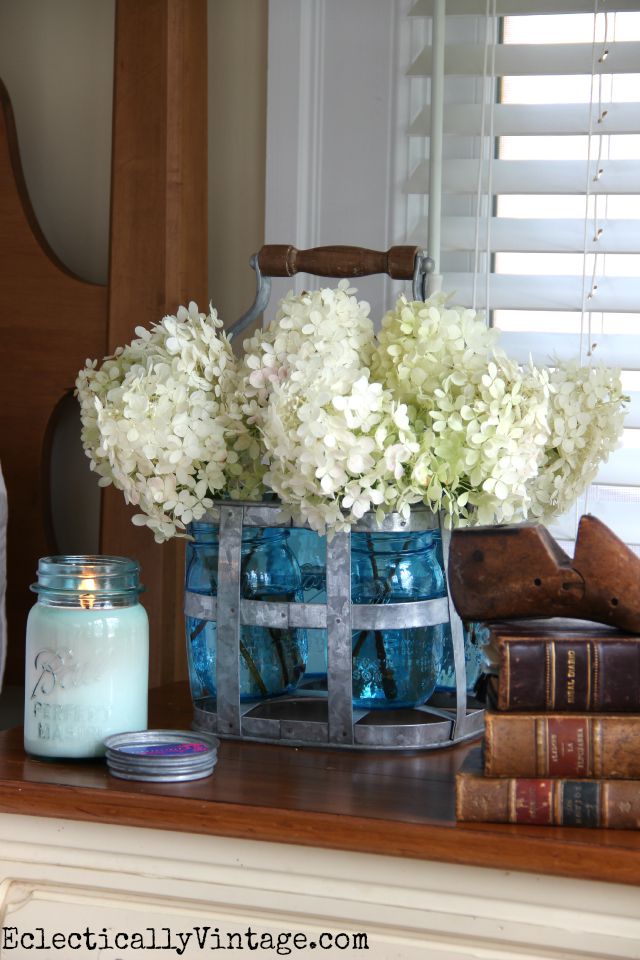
x=87 y=600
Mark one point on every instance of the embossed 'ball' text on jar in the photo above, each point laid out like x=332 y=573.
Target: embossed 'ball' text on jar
x=87 y=656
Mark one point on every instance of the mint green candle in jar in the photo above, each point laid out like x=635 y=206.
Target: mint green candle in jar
x=87 y=656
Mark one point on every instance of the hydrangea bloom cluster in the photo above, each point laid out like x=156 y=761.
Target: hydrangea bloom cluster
x=421 y=344
x=586 y=417
x=154 y=420
x=334 y=449
x=481 y=419
x=330 y=433
x=338 y=422
x=309 y=328
x=484 y=445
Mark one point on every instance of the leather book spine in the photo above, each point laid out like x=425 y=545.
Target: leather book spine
x=572 y=674
x=562 y=745
x=569 y=803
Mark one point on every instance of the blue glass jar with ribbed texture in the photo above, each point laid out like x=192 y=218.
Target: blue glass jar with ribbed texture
x=272 y=660
x=395 y=668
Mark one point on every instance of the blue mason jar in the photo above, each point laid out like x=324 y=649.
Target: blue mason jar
x=310 y=550
x=476 y=637
x=272 y=661
x=399 y=667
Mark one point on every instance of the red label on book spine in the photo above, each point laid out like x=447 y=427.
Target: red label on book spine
x=567 y=747
x=532 y=802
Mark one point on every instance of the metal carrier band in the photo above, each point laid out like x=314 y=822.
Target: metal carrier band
x=325 y=717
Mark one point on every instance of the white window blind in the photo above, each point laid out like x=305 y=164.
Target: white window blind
x=541 y=192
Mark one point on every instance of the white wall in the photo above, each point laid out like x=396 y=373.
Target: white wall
x=237 y=133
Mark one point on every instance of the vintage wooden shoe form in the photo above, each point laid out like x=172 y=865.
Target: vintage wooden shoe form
x=508 y=572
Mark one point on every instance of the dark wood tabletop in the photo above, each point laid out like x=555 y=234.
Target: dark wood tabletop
x=397 y=805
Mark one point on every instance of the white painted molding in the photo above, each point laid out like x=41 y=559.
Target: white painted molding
x=56 y=873
x=294 y=120
x=294 y=129
x=336 y=130
x=310 y=122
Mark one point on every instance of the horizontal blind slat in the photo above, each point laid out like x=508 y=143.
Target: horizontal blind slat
x=621 y=469
x=532 y=176
x=536 y=235
x=612 y=350
x=530 y=292
x=532 y=59
x=532 y=119
x=514 y=8
x=620 y=513
x=632 y=418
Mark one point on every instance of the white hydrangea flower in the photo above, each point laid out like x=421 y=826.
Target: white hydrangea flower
x=309 y=327
x=306 y=388
x=485 y=441
x=586 y=419
x=480 y=419
x=497 y=442
x=420 y=344
x=155 y=420
x=328 y=450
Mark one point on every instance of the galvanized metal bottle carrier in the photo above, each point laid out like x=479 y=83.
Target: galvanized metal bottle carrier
x=312 y=716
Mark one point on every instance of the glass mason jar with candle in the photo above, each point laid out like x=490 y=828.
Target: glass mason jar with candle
x=87 y=656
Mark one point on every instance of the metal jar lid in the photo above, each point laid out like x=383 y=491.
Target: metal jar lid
x=161 y=755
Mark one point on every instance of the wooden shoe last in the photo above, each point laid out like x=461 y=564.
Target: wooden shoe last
x=508 y=572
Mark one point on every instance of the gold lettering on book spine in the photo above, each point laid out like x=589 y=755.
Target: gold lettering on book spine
x=594 y=727
x=551 y=676
x=589 y=687
x=513 y=813
x=571 y=676
x=507 y=672
x=558 y=801
x=541 y=728
x=597 y=694
x=582 y=744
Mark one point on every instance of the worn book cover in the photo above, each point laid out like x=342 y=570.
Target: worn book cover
x=572 y=665
x=562 y=745
x=565 y=802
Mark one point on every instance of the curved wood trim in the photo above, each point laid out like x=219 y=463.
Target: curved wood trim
x=50 y=322
x=45 y=472
x=23 y=193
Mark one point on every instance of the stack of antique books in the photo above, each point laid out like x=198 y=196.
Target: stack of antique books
x=562 y=738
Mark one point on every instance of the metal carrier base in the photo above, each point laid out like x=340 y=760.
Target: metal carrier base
x=302 y=721
x=325 y=717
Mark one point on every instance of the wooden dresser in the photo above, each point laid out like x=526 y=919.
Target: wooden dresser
x=308 y=841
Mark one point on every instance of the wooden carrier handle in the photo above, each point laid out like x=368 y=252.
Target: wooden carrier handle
x=283 y=260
